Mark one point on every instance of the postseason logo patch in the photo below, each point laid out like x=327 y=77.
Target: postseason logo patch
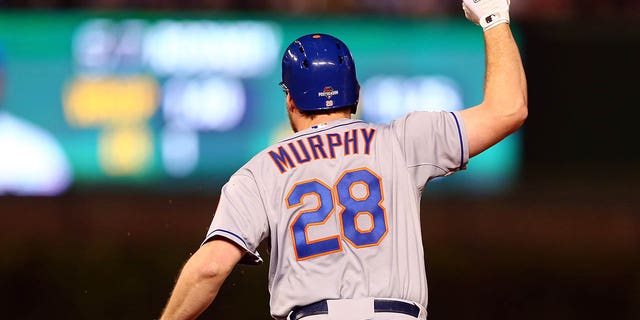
x=328 y=92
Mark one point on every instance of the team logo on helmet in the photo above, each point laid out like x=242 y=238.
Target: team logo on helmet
x=328 y=92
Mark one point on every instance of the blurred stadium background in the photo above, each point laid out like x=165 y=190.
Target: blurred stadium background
x=120 y=120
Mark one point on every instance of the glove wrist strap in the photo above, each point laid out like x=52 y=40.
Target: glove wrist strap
x=494 y=19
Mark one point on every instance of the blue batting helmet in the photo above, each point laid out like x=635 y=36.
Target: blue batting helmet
x=320 y=74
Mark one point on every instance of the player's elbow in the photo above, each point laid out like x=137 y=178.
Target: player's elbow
x=519 y=113
x=211 y=270
x=510 y=114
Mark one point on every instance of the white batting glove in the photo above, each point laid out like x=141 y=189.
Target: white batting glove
x=486 y=13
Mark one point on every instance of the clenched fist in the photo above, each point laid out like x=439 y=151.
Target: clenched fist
x=486 y=13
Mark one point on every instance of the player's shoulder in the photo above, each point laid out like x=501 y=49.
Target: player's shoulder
x=426 y=120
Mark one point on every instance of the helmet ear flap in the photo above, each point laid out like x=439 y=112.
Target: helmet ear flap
x=320 y=73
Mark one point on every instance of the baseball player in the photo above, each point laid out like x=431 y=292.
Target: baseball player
x=338 y=201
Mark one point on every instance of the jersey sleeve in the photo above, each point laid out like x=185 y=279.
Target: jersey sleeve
x=434 y=144
x=241 y=216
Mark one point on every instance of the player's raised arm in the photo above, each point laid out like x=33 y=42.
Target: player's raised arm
x=504 y=107
x=201 y=278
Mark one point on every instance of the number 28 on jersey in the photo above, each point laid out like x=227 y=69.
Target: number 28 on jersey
x=351 y=206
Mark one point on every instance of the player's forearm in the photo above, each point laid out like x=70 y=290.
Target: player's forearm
x=505 y=83
x=201 y=278
x=193 y=293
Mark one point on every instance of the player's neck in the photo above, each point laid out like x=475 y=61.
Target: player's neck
x=320 y=119
x=301 y=121
x=326 y=118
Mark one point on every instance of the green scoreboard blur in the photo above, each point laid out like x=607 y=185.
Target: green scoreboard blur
x=177 y=102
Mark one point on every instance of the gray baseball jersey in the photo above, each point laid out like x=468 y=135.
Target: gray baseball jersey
x=340 y=207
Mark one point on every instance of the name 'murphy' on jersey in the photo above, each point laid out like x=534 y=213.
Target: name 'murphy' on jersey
x=321 y=146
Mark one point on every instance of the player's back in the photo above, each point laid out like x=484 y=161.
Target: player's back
x=342 y=204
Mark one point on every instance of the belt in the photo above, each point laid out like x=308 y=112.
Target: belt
x=379 y=305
